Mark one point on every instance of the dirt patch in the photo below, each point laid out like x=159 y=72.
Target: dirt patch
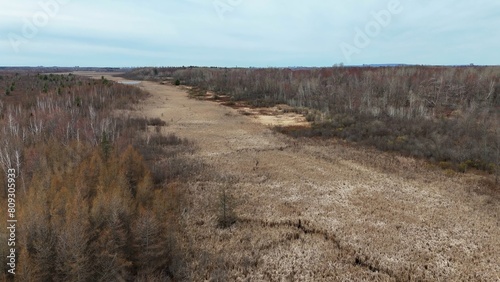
x=276 y=116
x=279 y=115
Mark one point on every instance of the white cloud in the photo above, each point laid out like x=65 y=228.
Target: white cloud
x=267 y=32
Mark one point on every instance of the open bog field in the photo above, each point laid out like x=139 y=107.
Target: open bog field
x=316 y=210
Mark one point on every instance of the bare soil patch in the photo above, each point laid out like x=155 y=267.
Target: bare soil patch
x=280 y=115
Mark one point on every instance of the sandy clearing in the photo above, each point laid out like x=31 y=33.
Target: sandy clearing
x=321 y=211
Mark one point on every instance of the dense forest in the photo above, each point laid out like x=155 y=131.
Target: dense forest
x=449 y=115
x=97 y=192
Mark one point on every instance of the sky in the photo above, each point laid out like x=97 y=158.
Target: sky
x=248 y=33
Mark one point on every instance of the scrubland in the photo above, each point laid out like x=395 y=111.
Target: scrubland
x=197 y=182
x=449 y=115
x=322 y=209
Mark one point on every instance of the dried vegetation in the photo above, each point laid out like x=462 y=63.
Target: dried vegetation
x=98 y=194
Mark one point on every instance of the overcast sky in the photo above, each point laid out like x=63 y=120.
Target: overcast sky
x=259 y=33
